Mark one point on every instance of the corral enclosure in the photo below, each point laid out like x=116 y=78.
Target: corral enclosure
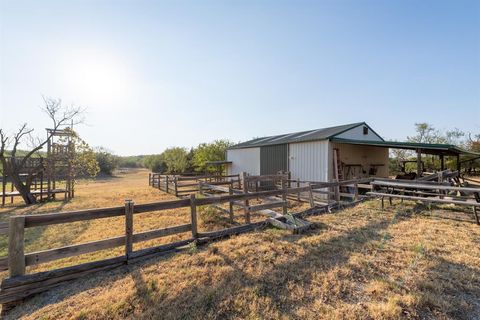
x=270 y=273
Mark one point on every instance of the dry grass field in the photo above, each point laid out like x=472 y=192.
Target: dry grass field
x=408 y=262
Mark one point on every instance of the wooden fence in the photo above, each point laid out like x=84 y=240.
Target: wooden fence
x=180 y=185
x=20 y=285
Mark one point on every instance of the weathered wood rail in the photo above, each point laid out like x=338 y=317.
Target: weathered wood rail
x=323 y=192
x=428 y=192
x=20 y=285
x=180 y=185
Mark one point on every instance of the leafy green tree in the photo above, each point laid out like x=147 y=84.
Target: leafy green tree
x=473 y=144
x=83 y=159
x=155 y=163
x=397 y=156
x=190 y=167
x=107 y=161
x=176 y=159
x=455 y=137
x=131 y=161
x=426 y=133
x=214 y=151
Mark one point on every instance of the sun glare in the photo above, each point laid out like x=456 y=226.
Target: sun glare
x=97 y=78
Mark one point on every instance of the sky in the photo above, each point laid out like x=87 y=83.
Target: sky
x=156 y=74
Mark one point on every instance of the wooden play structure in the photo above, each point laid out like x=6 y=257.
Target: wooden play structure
x=53 y=174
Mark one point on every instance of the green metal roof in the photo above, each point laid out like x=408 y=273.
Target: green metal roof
x=303 y=136
x=428 y=148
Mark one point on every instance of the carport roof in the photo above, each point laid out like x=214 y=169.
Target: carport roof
x=427 y=148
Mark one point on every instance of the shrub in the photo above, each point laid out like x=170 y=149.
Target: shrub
x=107 y=162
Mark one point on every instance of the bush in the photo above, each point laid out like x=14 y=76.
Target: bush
x=176 y=159
x=107 y=162
x=214 y=151
x=155 y=163
x=131 y=161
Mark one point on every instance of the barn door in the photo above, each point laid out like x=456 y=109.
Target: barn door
x=273 y=159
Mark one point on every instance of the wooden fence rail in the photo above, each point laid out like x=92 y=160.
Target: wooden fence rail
x=427 y=192
x=185 y=185
x=20 y=285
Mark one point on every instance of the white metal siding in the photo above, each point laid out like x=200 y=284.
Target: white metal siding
x=357 y=134
x=308 y=161
x=247 y=160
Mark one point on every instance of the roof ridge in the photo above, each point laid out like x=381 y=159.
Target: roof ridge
x=297 y=136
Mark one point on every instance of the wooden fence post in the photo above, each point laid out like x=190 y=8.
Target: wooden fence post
x=298 y=186
x=337 y=191
x=243 y=178
x=312 y=203
x=355 y=191
x=440 y=180
x=149 y=179
x=230 y=192
x=16 y=245
x=200 y=188
x=284 y=197
x=175 y=181
x=41 y=188
x=4 y=185
x=166 y=184
x=129 y=207
x=193 y=214
x=246 y=202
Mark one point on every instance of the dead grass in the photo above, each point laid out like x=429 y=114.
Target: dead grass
x=104 y=192
x=408 y=262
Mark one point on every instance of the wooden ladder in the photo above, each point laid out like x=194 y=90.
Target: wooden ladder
x=337 y=165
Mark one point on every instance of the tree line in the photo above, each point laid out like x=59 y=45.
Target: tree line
x=172 y=160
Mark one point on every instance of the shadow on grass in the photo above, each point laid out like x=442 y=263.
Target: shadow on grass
x=204 y=300
x=30 y=209
x=456 y=213
x=105 y=177
x=273 y=286
x=452 y=289
x=457 y=281
x=33 y=234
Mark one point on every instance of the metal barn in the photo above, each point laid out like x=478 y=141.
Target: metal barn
x=314 y=155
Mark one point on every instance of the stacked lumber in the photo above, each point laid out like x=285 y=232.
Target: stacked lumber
x=429 y=192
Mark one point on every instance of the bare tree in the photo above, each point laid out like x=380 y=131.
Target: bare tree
x=13 y=165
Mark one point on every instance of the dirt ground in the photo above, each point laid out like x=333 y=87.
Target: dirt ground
x=407 y=262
